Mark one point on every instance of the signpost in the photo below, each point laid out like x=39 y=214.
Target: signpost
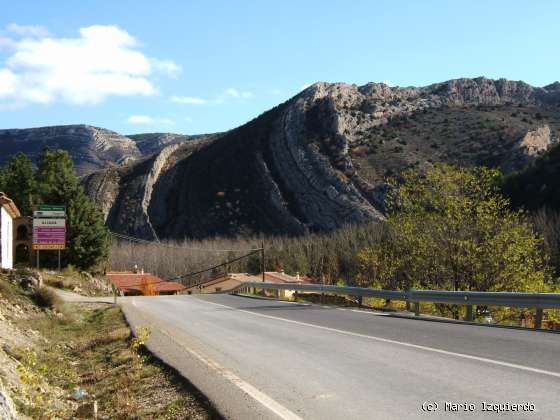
x=49 y=229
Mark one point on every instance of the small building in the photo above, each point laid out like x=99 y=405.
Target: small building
x=23 y=238
x=229 y=281
x=8 y=212
x=130 y=283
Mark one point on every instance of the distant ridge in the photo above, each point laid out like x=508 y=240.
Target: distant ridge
x=91 y=148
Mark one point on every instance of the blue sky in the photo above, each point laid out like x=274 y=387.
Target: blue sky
x=200 y=66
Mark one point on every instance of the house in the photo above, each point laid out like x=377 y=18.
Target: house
x=225 y=282
x=131 y=283
x=23 y=238
x=8 y=212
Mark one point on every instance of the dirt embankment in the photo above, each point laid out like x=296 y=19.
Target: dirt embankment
x=62 y=360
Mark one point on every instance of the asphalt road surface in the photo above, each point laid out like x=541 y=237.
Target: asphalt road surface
x=261 y=359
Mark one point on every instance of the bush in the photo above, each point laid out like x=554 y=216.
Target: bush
x=449 y=228
x=46 y=298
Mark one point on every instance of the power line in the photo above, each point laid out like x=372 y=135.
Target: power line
x=194 y=273
x=161 y=244
x=184 y=276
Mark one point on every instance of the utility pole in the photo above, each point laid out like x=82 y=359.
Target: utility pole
x=262 y=260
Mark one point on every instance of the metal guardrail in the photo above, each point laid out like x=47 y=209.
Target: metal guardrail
x=524 y=300
x=325 y=288
x=539 y=301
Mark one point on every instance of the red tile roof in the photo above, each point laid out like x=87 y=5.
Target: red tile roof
x=129 y=281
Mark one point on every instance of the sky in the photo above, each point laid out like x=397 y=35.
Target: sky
x=206 y=66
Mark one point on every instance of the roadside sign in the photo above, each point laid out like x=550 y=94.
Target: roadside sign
x=47 y=247
x=49 y=228
x=49 y=213
x=41 y=222
x=48 y=207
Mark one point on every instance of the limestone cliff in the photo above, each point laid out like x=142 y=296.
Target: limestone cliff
x=318 y=161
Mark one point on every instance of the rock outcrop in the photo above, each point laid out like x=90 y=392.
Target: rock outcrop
x=7 y=407
x=317 y=161
x=537 y=141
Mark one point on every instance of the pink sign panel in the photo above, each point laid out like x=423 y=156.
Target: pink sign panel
x=49 y=235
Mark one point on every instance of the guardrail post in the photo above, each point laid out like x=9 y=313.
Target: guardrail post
x=469 y=315
x=538 y=318
x=417 y=308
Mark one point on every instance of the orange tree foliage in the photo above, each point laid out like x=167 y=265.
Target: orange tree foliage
x=148 y=287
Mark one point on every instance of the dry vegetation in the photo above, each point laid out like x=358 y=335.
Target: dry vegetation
x=330 y=256
x=87 y=347
x=94 y=350
x=77 y=281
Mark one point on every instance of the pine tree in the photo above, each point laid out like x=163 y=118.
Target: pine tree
x=18 y=182
x=87 y=237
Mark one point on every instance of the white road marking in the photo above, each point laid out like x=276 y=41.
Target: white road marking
x=400 y=343
x=246 y=387
x=275 y=300
x=371 y=312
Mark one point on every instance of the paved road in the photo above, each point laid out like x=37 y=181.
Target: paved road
x=266 y=359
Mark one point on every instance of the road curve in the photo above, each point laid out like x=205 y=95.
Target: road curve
x=260 y=359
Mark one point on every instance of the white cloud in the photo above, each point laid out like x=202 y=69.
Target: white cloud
x=228 y=94
x=8 y=81
x=190 y=100
x=148 y=120
x=303 y=87
x=166 y=66
x=276 y=92
x=103 y=61
x=33 y=31
x=234 y=93
x=388 y=83
x=140 y=119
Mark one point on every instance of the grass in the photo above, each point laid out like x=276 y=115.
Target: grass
x=72 y=279
x=94 y=350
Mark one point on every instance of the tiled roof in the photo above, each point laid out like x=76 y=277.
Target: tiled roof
x=127 y=280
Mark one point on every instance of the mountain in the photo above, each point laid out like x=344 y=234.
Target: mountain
x=538 y=185
x=91 y=148
x=319 y=160
x=150 y=143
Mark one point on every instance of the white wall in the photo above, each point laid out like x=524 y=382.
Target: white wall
x=6 y=239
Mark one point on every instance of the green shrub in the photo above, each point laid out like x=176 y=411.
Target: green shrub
x=46 y=298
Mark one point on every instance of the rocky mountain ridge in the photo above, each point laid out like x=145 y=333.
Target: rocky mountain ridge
x=91 y=148
x=319 y=160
